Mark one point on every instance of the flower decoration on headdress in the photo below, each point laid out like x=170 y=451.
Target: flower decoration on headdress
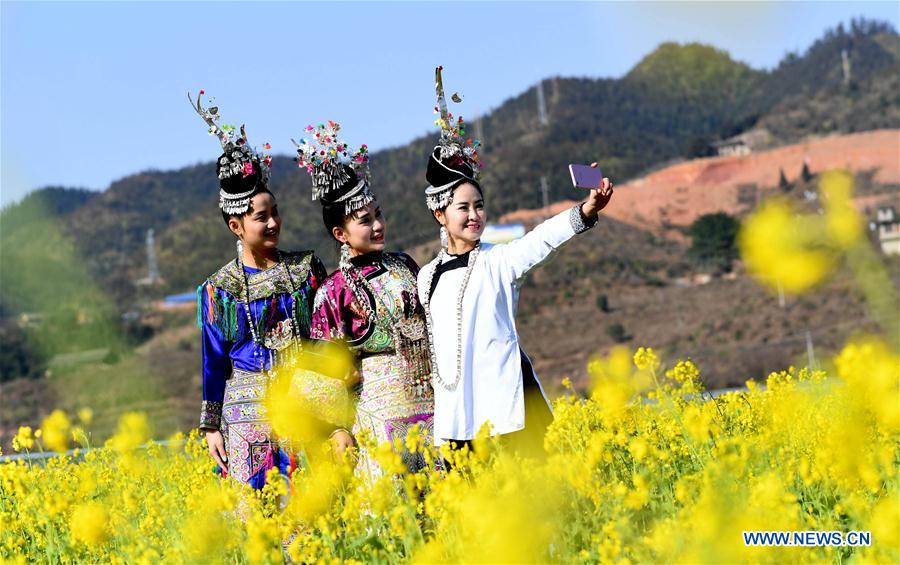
x=454 y=145
x=455 y=158
x=337 y=174
x=240 y=168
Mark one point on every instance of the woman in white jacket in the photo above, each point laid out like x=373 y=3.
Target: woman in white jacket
x=470 y=292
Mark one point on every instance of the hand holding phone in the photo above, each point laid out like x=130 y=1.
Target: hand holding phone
x=585 y=176
x=601 y=188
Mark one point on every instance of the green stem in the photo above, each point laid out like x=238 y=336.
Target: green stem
x=875 y=282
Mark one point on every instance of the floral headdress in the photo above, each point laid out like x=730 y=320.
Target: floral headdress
x=455 y=158
x=241 y=170
x=337 y=175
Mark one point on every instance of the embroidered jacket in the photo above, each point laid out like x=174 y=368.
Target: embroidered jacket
x=337 y=313
x=280 y=302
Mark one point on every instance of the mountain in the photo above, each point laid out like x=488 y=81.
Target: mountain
x=819 y=94
x=677 y=99
x=53 y=201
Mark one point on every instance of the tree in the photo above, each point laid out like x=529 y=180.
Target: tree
x=18 y=357
x=617 y=332
x=805 y=174
x=713 y=240
x=603 y=303
x=699 y=147
x=783 y=183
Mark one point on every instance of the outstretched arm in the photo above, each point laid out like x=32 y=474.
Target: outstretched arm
x=518 y=257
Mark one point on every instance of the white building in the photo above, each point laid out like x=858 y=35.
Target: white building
x=744 y=143
x=888 y=230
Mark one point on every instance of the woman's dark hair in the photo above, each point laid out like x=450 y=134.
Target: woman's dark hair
x=331 y=199
x=333 y=216
x=261 y=189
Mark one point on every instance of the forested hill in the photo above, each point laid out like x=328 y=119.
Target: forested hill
x=670 y=106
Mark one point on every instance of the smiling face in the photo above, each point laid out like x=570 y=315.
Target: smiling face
x=363 y=230
x=260 y=227
x=464 y=217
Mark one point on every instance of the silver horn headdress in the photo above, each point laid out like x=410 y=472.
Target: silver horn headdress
x=241 y=170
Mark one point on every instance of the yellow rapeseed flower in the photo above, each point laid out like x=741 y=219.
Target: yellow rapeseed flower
x=309 y=391
x=785 y=249
x=873 y=370
x=23 y=440
x=86 y=416
x=55 y=431
x=613 y=381
x=132 y=432
x=638 y=496
x=645 y=359
x=844 y=224
x=263 y=542
x=88 y=524
x=638 y=449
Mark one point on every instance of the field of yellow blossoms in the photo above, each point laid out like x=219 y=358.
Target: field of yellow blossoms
x=646 y=467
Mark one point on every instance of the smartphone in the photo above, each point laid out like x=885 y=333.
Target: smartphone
x=585 y=176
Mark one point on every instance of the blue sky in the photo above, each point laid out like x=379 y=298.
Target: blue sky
x=92 y=92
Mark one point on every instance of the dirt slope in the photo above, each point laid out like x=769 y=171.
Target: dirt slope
x=679 y=194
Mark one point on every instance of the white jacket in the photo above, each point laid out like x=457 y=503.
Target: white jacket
x=490 y=386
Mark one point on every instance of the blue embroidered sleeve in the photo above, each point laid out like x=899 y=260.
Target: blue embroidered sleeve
x=216 y=362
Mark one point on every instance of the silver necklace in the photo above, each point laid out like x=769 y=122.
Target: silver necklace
x=426 y=304
x=408 y=335
x=259 y=342
x=355 y=278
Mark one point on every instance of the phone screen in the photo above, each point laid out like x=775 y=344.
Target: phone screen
x=585 y=176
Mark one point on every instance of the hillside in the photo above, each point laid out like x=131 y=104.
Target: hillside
x=678 y=98
x=811 y=95
x=731 y=327
x=674 y=197
x=71 y=258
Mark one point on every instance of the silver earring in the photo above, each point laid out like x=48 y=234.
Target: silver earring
x=240 y=250
x=345 y=257
x=444 y=240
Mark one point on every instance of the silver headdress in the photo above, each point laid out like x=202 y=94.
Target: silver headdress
x=454 y=158
x=337 y=175
x=240 y=168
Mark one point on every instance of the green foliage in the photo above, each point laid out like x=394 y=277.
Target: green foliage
x=675 y=101
x=783 y=183
x=805 y=174
x=18 y=357
x=806 y=95
x=44 y=274
x=603 y=303
x=75 y=254
x=713 y=240
x=617 y=332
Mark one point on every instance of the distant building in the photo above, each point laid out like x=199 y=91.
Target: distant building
x=31 y=319
x=742 y=144
x=183 y=301
x=502 y=233
x=888 y=230
x=731 y=147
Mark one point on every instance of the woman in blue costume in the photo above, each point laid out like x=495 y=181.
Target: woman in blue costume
x=253 y=314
